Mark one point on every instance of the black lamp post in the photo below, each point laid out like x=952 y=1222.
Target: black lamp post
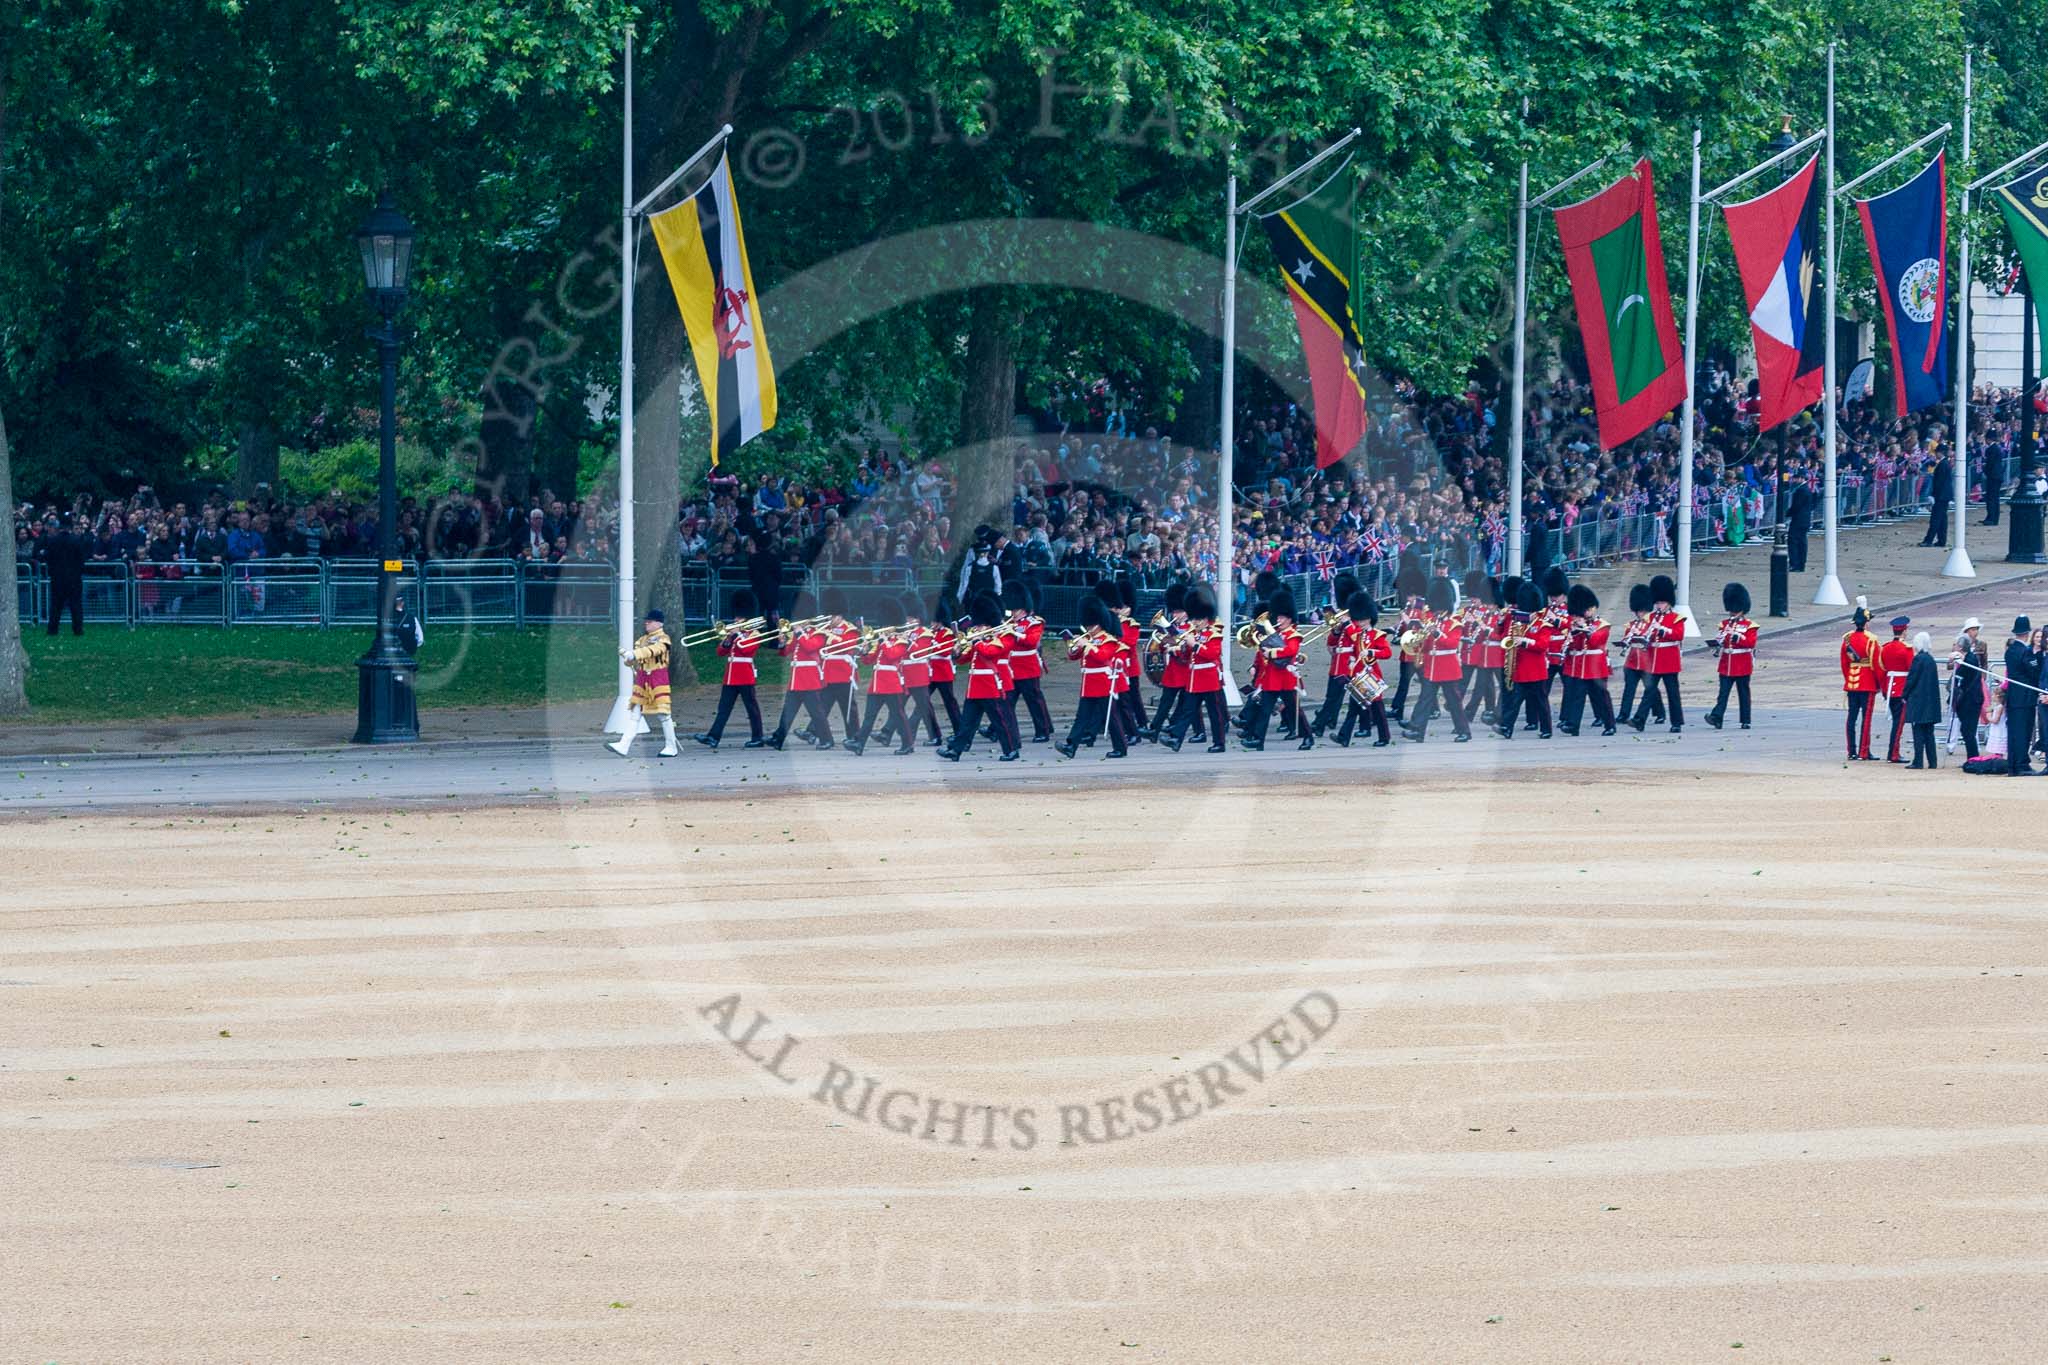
x=1781 y=552
x=386 y=710
x=2025 y=510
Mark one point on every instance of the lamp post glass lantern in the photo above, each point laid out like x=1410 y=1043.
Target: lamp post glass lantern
x=386 y=710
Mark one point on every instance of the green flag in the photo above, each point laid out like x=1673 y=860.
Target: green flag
x=2025 y=204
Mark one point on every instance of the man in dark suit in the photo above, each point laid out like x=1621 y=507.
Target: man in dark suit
x=1941 y=497
x=63 y=555
x=1798 y=515
x=2022 y=676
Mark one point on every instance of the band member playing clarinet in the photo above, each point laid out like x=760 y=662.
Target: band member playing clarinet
x=737 y=645
x=1735 y=644
x=1635 y=655
x=1482 y=656
x=1664 y=636
x=1373 y=646
x=1442 y=642
x=1100 y=651
x=1202 y=647
x=1586 y=668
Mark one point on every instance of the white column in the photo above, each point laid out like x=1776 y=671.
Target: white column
x=1830 y=592
x=1515 y=414
x=1959 y=565
x=1226 y=472
x=1683 y=549
x=622 y=716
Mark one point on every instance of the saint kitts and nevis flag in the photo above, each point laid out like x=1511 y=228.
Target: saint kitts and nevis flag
x=1777 y=250
x=706 y=256
x=1316 y=243
x=2024 y=202
x=1616 y=261
x=1907 y=232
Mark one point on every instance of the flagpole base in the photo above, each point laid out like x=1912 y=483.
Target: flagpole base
x=1231 y=696
x=1830 y=593
x=1959 y=565
x=624 y=718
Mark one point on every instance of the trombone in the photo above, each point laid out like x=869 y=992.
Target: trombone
x=1331 y=620
x=722 y=630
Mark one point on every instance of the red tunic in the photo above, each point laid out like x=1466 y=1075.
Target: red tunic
x=916 y=668
x=1859 y=662
x=1205 y=660
x=1024 y=638
x=1174 y=672
x=1667 y=638
x=1133 y=662
x=1559 y=620
x=1490 y=650
x=985 y=660
x=738 y=653
x=1635 y=654
x=1343 y=641
x=1101 y=658
x=1373 y=646
x=942 y=657
x=1738 y=647
x=806 y=663
x=1532 y=656
x=887 y=658
x=1275 y=673
x=839 y=662
x=1440 y=652
x=1585 y=655
x=1894 y=660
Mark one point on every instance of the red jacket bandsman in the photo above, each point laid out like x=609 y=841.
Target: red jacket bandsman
x=1664 y=636
x=1585 y=655
x=1441 y=645
x=887 y=658
x=1532 y=656
x=1027 y=633
x=805 y=652
x=738 y=650
x=1202 y=647
x=1738 y=647
x=1859 y=661
x=1101 y=657
x=1895 y=660
x=1275 y=672
x=943 y=638
x=844 y=639
x=987 y=659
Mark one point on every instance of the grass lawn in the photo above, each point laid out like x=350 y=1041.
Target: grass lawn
x=200 y=672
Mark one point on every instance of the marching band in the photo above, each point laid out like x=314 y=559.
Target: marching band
x=1488 y=653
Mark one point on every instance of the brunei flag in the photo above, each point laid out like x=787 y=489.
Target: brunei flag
x=706 y=256
x=1777 y=248
x=1616 y=260
x=1316 y=244
x=2024 y=202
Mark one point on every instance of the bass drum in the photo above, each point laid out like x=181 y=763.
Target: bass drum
x=1155 y=667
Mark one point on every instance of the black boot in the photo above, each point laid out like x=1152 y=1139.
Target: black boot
x=755 y=743
x=705 y=740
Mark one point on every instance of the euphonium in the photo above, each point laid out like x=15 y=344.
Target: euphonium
x=1253 y=632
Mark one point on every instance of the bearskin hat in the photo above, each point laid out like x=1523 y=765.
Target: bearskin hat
x=938 y=606
x=1528 y=597
x=1200 y=603
x=1555 y=582
x=1281 y=604
x=835 y=602
x=1342 y=588
x=1735 y=599
x=745 y=605
x=1176 y=598
x=1265 y=585
x=1581 y=599
x=1639 y=597
x=1475 y=587
x=1410 y=581
x=1442 y=595
x=1662 y=589
x=984 y=610
x=1094 y=614
x=1014 y=598
x=1510 y=591
x=1362 y=608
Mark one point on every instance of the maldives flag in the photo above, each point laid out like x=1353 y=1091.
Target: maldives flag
x=1907 y=232
x=1616 y=261
x=1777 y=239
x=1316 y=244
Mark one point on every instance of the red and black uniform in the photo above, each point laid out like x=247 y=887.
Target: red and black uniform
x=1277 y=683
x=1736 y=644
x=1663 y=639
x=1128 y=697
x=1529 y=675
x=1894 y=661
x=1027 y=633
x=886 y=691
x=1373 y=646
x=806 y=654
x=941 y=686
x=738 y=650
x=1635 y=668
x=1102 y=660
x=1586 y=670
x=1173 y=676
x=1408 y=630
x=1443 y=671
x=987 y=662
x=839 y=656
x=1342 y=641
x=1201 y=647
x=1861 y=684
x=1482 y=660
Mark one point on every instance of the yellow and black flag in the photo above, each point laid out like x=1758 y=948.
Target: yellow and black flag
x=706 y=256
x=1316 y=244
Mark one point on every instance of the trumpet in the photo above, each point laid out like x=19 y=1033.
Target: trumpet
x=723 y=630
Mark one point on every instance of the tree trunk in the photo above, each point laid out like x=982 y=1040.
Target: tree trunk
x=985 y=465
x=13 y=658
x=255 y=457
x=505 y=462
x=658 y=351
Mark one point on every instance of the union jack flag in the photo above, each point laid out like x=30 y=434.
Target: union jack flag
x=1325 y=564
x=1374 y=546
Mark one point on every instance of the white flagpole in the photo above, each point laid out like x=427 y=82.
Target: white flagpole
x=1959 y=565
x=1830 y=593
x=1226 y=569
x=623 y=718
x=1516 y=416
x=1683 y=550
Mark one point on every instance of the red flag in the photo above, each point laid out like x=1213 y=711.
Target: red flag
x=1777 y=248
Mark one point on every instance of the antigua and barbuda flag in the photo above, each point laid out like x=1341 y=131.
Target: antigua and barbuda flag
x=1907 y=231
x=1316 y=243
x=706 y=256
x=1778 y=252
x=1623 y=298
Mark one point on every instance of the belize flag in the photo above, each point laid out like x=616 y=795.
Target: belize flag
x=1777 y=250
x=1907 y=231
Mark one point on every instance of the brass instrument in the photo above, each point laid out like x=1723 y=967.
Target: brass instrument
x=968 y=639
x=788 y=630
x=1253 y=633
x=722 y=631
x=1516 y=633
x=1330 y=621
